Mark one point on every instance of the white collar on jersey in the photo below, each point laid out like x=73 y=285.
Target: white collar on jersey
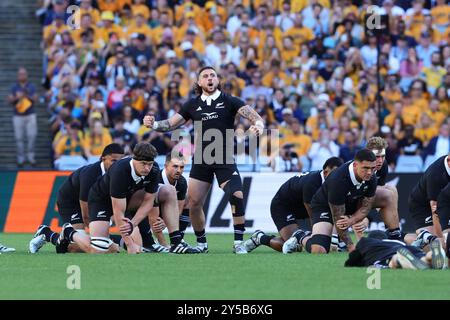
x=102 y=166
x=355 y=182
x=166 y=179
x=446 y=165
x=209 y=99
x=135 y=177
x=322 y=176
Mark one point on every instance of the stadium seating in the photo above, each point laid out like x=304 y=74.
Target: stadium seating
x=409 y=164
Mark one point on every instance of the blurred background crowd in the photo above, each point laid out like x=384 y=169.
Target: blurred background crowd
x=307 y=66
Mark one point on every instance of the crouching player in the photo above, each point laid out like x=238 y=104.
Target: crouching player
x=292 y=202
x=72 y=200
x=130 y=185
x=344 y=199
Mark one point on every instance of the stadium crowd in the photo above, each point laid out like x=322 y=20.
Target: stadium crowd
x=307 y=66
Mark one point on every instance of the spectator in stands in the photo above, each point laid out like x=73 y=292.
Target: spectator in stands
x=96 y=139
x=410 y=145
x=69 y=141
x=425 y=49
x=439 y=145
x=349 y=148
x=442 y=95
x=139 y=49
x=434 y=74
x=115 y=97
x=369 y=51
x=322 y=149
x=23 y=98
x=256 y=88
x=53 y=8
x=295 y=136
x=119 y=66
x=286 y=161
x=425 y=129
x=131 y=123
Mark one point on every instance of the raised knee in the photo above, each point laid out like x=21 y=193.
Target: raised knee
x=316 y=249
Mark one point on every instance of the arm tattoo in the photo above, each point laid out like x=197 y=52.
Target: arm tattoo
x=163 y=126
x=336 y=213
x=363 y=211
x=250 y=114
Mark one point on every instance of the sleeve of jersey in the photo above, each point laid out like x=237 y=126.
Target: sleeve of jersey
x=383 y=174
x=185 y=110
x=236 y=104
x=181 y=195
x=372 y=188
x=86 y=182
x=336 y=193
x=152 y=187
x=117 y=184
x=433 y=187
x=308 y=191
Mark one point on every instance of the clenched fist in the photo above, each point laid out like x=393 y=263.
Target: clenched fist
x=149 y=120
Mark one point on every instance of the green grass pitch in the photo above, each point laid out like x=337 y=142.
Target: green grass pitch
x=263 y=274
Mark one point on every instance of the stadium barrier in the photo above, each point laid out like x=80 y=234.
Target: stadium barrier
x=28 y=199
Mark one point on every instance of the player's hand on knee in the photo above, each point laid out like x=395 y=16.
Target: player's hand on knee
x=158 y=225
x=149 y=120
x=344 y=222
x=126 y=228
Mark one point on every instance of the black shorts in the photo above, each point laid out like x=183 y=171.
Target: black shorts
x=284 y=214
x=205 y=172
x=420 y=214
x=100 y=211
x=70 y=213
x=321 y=216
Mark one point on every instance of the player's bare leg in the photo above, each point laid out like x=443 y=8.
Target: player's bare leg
x=386 y=198
x=197 y=193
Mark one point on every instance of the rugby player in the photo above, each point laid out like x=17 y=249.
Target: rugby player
x=424 y=198
x=292 y=202
x=344 y=199
x=378 y=251
x=130 y=186
x=386 y=196
x=213 y=113
x=72 y=199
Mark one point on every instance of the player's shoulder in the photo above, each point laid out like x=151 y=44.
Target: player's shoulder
x=91 y=169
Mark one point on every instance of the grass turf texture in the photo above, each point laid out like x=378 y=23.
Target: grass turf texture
x=220 y=274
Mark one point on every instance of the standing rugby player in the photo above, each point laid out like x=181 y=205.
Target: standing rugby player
x=213 y=113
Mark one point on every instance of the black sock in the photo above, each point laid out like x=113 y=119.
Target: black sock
x=175 y=237
x=47 y=232
x=53 y=238
x=265 y=240
x=184 y=220
x=201 y=236
x=239 y=230
x=394 y=234
x=299 y=235
x=69 y=232
x=308 y=245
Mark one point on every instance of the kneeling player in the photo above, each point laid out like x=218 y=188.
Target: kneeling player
x=345 y=198
x=386 y=196
x=131 y=184
x=72 y=199
x=292 y=203
x=380 y=252
x=172 y=175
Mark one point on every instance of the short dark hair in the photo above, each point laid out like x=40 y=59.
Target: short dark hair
x=144 y=151
x=332 y=163
x=176 y=155
x=113 y=148
x=365 y=155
